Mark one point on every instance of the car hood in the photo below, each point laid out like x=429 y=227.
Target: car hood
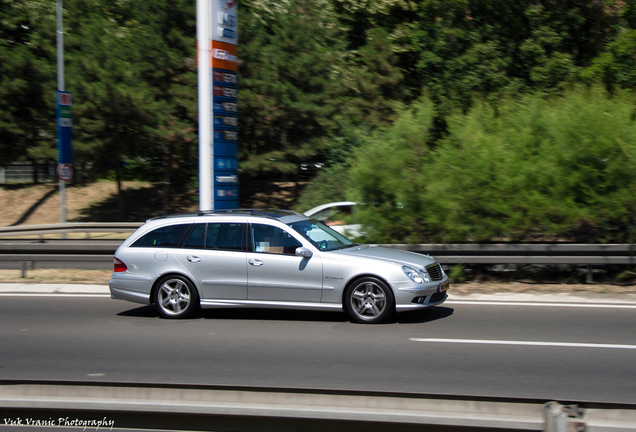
x=388 y=254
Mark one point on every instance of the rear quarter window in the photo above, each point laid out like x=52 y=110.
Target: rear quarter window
x=168 y=236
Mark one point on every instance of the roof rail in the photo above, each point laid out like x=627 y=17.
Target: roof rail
x=268 y=213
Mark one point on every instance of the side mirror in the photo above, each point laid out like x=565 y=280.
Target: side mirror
x=304 y=252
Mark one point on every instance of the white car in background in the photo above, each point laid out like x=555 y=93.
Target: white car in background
x=332 y=214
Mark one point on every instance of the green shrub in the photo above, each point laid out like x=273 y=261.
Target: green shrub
x=532 y=169
x=456 y=274
x=331 y=184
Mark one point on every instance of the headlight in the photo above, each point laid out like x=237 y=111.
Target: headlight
x=412 y=274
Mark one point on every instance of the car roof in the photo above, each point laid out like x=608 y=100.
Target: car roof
x=321 y=207
x=285 y=216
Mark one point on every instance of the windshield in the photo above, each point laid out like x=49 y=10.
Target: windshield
x=321 y=236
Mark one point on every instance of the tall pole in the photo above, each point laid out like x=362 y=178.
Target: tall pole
x=60 y=87
x=205 y=136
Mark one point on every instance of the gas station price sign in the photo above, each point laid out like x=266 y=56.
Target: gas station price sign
x=217 y=39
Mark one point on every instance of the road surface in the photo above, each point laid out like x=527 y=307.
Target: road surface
x=462 y=348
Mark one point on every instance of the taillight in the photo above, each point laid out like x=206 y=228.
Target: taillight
x=119 y=266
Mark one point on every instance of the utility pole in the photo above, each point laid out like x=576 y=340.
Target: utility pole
x=60 y=88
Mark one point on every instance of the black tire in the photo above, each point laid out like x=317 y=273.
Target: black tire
x=369 y=300
x=176 y=297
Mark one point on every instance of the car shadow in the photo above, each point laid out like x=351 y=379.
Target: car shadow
x=244 y=314
x=251 y=314
x=273 y=315
x=423 y=315
x=140 y=312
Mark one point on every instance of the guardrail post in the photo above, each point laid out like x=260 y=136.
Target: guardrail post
x=563 y=418
x=24 y=269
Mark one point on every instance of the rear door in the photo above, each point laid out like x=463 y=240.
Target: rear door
x=215 y=254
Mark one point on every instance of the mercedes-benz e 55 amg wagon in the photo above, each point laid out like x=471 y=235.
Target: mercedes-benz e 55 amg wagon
x=268 y=259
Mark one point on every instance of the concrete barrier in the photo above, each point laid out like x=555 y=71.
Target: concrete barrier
x=260 y=409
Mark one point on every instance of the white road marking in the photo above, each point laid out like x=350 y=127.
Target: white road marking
x=526 y=343
x=542 y=304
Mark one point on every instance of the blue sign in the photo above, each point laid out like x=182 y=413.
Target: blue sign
x=223 y=148
x=225 y=138
x=225 y=164
x=225 y=121
x=64 y=128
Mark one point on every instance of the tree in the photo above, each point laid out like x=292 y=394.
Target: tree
x=113 y=106
x=289 y=63
x=27 y=80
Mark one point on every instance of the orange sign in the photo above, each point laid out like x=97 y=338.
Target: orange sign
x=224 y=56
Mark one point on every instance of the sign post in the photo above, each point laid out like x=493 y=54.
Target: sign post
x=63 y=119
x=217 y=39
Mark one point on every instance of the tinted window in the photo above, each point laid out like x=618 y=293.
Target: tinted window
x=168 y=236
x=270 y=239
x=196 y=237
x=225 y=236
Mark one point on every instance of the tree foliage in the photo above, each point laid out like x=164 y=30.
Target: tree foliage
x=537 y=169
x=339 y=82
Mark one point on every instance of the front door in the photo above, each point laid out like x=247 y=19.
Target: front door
x=275 y=273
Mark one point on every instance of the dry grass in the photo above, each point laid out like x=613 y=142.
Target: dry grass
x=53 y=276
x=28 y=204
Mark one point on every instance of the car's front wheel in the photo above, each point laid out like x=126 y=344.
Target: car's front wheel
x=369 y=300
x=176 y=297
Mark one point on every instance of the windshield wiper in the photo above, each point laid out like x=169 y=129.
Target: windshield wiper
x=351 y=245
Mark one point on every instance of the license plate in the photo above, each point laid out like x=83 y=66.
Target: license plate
x=444 y=286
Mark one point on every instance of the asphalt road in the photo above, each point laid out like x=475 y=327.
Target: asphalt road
x=552 y=353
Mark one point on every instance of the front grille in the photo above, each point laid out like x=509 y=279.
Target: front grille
x=437 y=297
x=435 y=271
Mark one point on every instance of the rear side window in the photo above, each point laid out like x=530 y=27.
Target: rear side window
x=225 y=236
x=196 y=238
x=165 y=237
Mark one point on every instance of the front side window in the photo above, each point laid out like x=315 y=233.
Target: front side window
x=225 y=236
x=164 y=237
x=321 y=236
x=271 y=239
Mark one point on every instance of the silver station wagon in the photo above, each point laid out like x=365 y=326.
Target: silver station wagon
x=268 y=259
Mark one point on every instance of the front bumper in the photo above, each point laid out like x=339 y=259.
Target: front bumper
x=421 y=296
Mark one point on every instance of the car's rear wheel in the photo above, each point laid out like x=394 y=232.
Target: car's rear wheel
x=369 y=300
x=176 y=297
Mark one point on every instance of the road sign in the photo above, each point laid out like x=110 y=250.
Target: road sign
x=64 y=172
x=64 y=128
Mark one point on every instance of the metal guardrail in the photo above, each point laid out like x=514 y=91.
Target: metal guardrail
x=74 y=227
x=85 y=250
x=538 y=253
x=254 y=409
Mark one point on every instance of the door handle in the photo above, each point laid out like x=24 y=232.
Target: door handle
x=193 y=259
x=255 y=262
